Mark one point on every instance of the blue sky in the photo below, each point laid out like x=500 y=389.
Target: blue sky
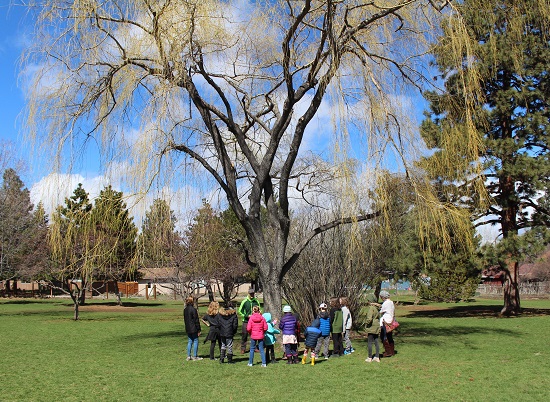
x=12 y=34
x=15 y=31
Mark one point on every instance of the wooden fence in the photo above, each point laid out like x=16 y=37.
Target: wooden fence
x=525 y=288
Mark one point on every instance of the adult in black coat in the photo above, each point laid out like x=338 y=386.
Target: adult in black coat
x=192 y=328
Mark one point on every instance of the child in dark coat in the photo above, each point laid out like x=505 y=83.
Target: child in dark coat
x=311 y=335
x=228 y=322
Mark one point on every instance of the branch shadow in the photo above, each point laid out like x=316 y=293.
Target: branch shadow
x=483 y=311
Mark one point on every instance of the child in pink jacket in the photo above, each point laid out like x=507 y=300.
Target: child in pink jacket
x=256 y=327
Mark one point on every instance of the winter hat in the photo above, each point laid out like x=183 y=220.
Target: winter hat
x=323 y=305
x=384 y=294
x=287 y=309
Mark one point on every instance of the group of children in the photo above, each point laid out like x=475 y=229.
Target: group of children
x=334 y=323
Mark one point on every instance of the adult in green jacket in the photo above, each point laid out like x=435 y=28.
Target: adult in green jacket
x=245 y=311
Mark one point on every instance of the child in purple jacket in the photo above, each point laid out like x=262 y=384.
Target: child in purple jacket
x=288 y=326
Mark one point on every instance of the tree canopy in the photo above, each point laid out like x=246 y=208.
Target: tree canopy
x=238 y=91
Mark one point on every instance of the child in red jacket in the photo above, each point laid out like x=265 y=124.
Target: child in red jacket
x=256 y=327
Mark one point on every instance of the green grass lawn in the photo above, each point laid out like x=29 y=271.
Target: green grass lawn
x=446 y=352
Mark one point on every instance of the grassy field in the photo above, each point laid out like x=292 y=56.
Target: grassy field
x=446 y=352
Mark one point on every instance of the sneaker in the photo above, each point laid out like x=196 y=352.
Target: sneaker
x=376 y=359
x=264 y=365
x=326 y=357
x=347 y=352
x=189 y=358
x=368 y=359
x=352 y=350
x=249 y=364
x=196 y=358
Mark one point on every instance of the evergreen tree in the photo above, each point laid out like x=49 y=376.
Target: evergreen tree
x=114 y=237
x=159 y=240
x=36 y=251
x=16 y=225
x=70 y=242
x=512 y=112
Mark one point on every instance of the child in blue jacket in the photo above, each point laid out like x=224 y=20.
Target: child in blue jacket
x=323 y=323
x=311 y=335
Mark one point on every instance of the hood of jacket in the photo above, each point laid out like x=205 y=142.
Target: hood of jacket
x=267 y=317
x=324 y=314
x=257 y=317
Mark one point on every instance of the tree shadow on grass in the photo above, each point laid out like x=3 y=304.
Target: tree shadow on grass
x=21 y=301
x=154 y=335
x=429 y=334
x=483 y=311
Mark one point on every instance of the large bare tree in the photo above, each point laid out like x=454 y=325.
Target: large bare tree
x=234 y=88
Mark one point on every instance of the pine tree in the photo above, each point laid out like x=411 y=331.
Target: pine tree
x=512 y=112
x=159 y=240
x=70 y=242
x=16 y=222
x=114 y=237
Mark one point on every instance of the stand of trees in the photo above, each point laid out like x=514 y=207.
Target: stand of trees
x=512 y=113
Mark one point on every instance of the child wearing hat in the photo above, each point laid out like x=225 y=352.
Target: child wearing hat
x=288 y=326
x=323 y=323
x=269 y=339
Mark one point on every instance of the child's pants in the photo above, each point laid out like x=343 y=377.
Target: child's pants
x=373 y=338
x=227 y=344
x=323 y=342
x=291 y=349
x=347 y=340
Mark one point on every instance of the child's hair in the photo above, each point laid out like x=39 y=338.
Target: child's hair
x=256 y=309
x=213 y=308
x=344 y=301
x=334 y=302
x=189 y=300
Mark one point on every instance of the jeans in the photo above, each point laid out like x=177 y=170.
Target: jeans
x=385 y=336
x=260 y=345
x=193 y=339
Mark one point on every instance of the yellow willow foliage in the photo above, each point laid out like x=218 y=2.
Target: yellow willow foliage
x=142 y=78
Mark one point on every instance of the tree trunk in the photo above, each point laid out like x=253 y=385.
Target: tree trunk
x=272 y=294
x=511 y=290
x=211 y=296
x=82 y=296
x=75 y=296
